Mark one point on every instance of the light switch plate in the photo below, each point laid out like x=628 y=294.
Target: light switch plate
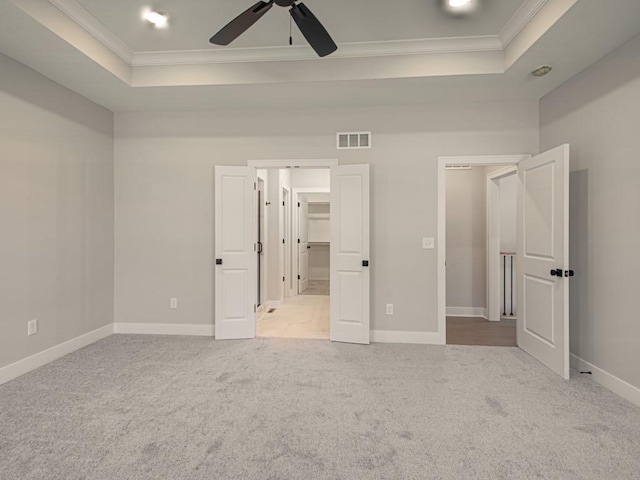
x=428 y=242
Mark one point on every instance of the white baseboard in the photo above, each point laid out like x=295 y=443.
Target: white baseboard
x=467 y=312
x=47 y=356
x=164 y=329
x=613 y=383
x=273 y=304
x=392 y=336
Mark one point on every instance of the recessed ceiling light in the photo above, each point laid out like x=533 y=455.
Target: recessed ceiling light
x=458 y=3
x=541 y=71
x=460 y=7
x=157 y=19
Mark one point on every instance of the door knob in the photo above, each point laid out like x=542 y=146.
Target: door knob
x=556 y=272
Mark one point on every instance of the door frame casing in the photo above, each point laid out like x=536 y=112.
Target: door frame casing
x=443 y=162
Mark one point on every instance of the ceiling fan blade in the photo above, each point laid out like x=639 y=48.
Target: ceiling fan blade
x=312 y=29
x=241 y=23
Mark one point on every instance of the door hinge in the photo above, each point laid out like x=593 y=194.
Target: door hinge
x=298 y=240
x=283 y=279
x=254 y=186
x=298 y=204
x=283 y=204
x=298 y=277
x=283 y=240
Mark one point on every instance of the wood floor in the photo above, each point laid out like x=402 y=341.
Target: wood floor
x=478 y=331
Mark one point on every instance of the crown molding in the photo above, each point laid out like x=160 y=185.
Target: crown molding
x=88 y=22
x=304 y=52
x=527 y=12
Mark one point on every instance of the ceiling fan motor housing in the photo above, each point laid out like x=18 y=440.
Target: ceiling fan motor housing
x=284 y=3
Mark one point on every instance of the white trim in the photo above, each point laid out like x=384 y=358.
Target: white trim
x=94 y=27
x=616 y=385
x=503 y=172
x=426 y=46
x=443 y=161
x=319 y=163
x=483 y=160
x=393 y=336
x=164 y=329
x=467 y=312
x=527 y=11
x=273 y=304
x=47 y=356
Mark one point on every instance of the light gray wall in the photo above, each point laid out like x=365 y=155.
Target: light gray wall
x=466 y=238
x=164 y=194
x=56 y=213
x=311 y=177
x=597 y=112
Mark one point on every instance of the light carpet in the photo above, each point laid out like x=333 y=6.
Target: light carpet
x=153 y=407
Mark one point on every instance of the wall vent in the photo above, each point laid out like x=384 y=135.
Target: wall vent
x=457 y=167
x=347 y=140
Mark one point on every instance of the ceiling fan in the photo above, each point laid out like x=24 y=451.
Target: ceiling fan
x=309 y=25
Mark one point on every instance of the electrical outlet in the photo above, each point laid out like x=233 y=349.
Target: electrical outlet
x=32 y=327
x=173 y=303
x=389 y=308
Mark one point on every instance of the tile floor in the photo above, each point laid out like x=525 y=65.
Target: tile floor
x=302 y=316
x=317 y=287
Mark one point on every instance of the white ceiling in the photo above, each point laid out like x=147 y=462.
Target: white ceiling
x=83 y=46
x=193 y=22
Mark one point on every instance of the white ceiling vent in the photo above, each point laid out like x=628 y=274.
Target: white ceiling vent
x=354 y=140
x=458 y=167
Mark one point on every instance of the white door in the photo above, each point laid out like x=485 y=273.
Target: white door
x=303 y=246
x=350 y=253
x=235 y=255
x=543 y=257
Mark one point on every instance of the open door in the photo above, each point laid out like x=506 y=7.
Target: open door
x=235 y=255
x=303 y=246
x=350 y=253
x=543 y=256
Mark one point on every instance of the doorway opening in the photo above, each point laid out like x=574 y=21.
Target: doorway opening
x=236 y=245
x=481 y=222
x=296 y=252
x=542 y=270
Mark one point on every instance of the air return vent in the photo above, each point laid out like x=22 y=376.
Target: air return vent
x=354 y=140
